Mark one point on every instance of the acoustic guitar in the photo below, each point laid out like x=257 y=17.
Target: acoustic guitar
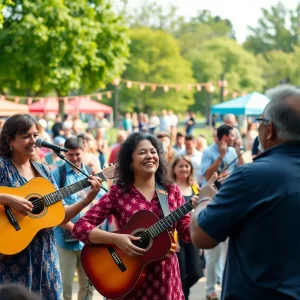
x=17 y=231
x=113 y=273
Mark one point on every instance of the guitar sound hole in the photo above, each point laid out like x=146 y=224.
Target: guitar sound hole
x=38 y=205
x=145 y=240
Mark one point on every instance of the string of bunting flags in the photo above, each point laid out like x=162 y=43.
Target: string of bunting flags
x=208 y=86
x=30 y=100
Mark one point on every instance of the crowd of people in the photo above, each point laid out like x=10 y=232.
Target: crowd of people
x=162 y=154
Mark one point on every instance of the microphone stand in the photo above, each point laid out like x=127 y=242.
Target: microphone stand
x=70 y=163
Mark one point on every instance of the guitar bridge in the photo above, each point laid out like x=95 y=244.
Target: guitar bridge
x=11 y=217
x=117 y=259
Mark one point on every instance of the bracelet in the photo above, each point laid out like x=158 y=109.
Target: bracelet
x=203 y=200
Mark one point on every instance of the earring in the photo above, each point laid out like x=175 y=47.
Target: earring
x=130 y=169
x=10 y=148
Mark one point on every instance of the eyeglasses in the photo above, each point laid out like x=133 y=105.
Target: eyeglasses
x=262 y=119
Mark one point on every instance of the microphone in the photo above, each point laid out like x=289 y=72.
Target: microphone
x=41 y=143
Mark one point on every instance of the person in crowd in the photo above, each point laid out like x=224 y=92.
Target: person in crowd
x=69 y=249
x=102 y=122
x=182 y=173
x=194 y=155
x=250 y=136
x=174 y=124
x=57 y=127
x=115 y=149
x=51 y=160
x=143 y=122
x=216 y=158
x=77 y=125
x=190 y=123
x=16 y=292
x=230 y=120
x=102 y=146
x=140 y=166
x=258 y=209
x=37 y=266
x=201 y=143
x=164 y=137
x=90 y=153
x=179 y=144
x=44 y=135
x=221 y=155
x=164 y=122
x=127 y=123
x=67 y=130
x=135 y=122
x=153 y=122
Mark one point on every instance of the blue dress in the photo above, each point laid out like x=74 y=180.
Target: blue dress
x=37 y=266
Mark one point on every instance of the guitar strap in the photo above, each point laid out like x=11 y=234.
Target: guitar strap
x=162 y=195
x=39 y=169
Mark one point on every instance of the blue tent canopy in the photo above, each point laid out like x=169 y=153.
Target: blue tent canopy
x=252 y=105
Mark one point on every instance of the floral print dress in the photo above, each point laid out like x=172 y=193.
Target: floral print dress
x=37 y=266
x=163 y=279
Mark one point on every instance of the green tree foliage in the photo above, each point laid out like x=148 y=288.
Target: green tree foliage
x=153 y=15
x=277 y=29
x=224 y=55
x=61 y=45
x=155 y=57
x=204 y=26
x=2 y=5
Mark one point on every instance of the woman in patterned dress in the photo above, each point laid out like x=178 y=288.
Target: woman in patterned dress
x=37 y=266
x=140 y=166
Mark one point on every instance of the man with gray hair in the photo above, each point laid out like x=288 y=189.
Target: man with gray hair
x=258 y=208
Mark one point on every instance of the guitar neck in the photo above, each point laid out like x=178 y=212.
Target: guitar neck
x=66 y=191
x=167 y=221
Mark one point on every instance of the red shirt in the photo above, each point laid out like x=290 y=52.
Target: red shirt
x=113 y=158
x=163 y=280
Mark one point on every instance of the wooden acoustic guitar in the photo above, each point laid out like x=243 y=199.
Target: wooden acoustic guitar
x=17 y=231
x=113 y=273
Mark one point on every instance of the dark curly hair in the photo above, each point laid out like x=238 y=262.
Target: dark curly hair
x=15 y=125
x=126 y=176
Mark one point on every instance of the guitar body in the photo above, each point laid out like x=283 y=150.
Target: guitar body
x=107 y=276
x=13 y=241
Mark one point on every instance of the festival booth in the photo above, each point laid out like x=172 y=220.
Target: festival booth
x=250 y=105
x=8 y=108
x=48 y=105
x=246 y=106
x=88 y=106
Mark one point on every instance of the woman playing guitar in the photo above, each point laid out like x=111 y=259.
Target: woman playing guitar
x=37 y=266
x=141 y=166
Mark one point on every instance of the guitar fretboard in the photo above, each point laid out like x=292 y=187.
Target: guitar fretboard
x=167 y=221
x=66 y=191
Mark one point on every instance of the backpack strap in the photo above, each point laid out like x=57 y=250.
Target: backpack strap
x=39 y=169
x=162 y=195
x=62 y=176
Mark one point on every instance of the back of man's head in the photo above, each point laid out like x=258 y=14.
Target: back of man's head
x=223 y=130
x=283 y=111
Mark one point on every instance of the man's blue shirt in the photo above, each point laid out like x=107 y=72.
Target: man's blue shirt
x=258 y=208
x=72 y=177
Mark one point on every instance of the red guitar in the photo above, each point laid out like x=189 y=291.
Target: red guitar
x=113 y=273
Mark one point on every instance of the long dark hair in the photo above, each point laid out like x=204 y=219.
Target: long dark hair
x=126 y=176
x=15 y=125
